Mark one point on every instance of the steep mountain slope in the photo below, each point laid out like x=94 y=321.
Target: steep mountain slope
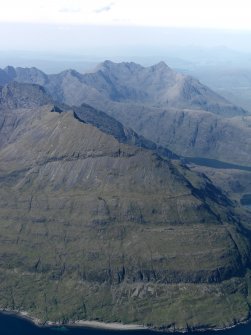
x=170 y=109
x=15 y=95
x=92 y=228
x=190 y=133
x=111 y=126
x=236 y=183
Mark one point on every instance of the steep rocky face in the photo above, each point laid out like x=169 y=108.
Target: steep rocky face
x=4 y=78
x=15 y=95
x=25 y=75
x=235 y=182
x=190 y=132
x=111 y=126
x=23 y=96
x=116 y=230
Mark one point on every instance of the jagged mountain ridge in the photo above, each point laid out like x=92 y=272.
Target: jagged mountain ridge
x=157 y=86
x=195 y=122
x=112 y=228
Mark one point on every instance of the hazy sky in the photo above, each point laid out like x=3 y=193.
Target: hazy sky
x=223 y=14
x=124 y=29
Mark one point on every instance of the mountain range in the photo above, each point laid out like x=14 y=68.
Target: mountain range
x=154 y=86
x=100 y=223
x=171 y=109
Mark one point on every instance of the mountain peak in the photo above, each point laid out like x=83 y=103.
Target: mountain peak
x=122 y=67
x=161 y=66
x=70 y=72
x=10 y=71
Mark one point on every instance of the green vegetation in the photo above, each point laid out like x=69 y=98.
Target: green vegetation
x=94 y=229
x=169 y=306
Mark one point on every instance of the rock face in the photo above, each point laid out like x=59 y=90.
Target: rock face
x=92 y=228
x=191 y=133
x=111 y=126
x=15 y=95
x=172 y=110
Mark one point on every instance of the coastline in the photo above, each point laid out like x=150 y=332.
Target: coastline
x=112 y=325
x=23 y=315
x=78 y=323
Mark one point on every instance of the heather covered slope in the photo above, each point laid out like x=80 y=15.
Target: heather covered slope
x=92 y=228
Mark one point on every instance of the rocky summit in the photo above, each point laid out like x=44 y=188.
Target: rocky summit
x=93 y=227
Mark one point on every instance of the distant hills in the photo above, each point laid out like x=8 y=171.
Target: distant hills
x=233 y=82
x=96 y=224
x=173 y=110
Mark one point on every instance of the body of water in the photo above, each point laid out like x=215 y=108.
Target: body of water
x=246 y=201
x=12 y=325
x=213 y=163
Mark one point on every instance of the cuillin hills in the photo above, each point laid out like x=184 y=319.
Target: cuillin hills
x=155 y=86
x=172 y=110
x=94 y=227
